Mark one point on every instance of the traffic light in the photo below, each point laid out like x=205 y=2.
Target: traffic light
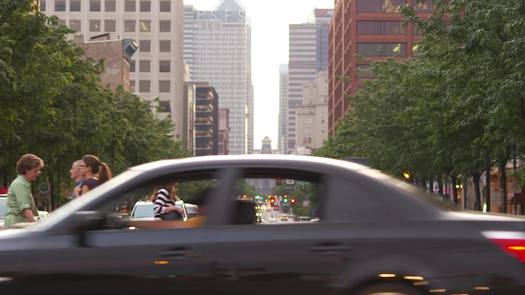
x=285 y=199
x=293 y=201
x=272 y=201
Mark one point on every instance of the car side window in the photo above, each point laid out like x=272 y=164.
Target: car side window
x=286 y=197
x=178 y=201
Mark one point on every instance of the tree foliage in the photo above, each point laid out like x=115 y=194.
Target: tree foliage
x=455 y=107
x=54 y=105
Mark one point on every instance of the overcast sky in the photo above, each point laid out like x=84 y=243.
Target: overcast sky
x=269 y=21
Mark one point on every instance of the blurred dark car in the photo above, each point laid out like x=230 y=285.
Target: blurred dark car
x=373 y=235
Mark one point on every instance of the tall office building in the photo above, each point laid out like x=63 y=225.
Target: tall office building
x=206 y=121
x=157 y=69
x=217 y=50
x=371 y=29
x=312 y=116
x=283 y=109
x=308 y=54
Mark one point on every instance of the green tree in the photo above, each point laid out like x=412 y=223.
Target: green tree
x=54 y=105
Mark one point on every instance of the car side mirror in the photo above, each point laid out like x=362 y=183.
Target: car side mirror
x=92 y=220
x=87 y=220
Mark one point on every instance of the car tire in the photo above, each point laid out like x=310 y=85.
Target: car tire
x=387 y=289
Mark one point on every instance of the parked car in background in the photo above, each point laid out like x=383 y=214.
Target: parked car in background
x=372 y=235
x=143 y=210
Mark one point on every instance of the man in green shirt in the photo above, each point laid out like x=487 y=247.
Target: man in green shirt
x=20 y=203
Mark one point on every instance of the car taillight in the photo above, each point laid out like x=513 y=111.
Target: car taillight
x=512 y=243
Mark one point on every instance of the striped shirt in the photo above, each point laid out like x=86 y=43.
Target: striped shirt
x=162 y=201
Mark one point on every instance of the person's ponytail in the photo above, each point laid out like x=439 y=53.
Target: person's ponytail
x=104 y=173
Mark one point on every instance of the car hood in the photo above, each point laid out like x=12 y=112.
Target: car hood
x=11 y=233
x=479 y=216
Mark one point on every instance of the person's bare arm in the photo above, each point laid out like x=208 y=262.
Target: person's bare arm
x=174 y=208
x=85 y=189
x=28 y=214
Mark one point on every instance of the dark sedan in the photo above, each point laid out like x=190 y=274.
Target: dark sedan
x=357 y=231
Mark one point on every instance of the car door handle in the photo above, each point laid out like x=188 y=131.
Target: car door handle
x=329 y=249
x=176 y=253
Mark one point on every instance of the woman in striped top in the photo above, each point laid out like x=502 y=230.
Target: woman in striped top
x=164 y=204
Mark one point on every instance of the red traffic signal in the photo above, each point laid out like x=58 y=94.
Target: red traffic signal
x=293 y=201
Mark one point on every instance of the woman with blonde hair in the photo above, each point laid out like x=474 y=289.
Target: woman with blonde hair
x=94 y=173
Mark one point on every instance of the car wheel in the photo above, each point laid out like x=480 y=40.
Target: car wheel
x=387 y=289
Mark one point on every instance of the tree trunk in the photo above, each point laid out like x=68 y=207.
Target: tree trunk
x=440 y=183
x=454 y=189
x=465 y=184
x=476 y=178
x=503 y=185
x=52 y=188
x=423 y=183
x=58 y=193
x=487 y=180
x=514 y=168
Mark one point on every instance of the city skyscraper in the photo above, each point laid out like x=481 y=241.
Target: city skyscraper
x=217 y=50
x=157 y=68
x=312 y=116
x=308 y=54
x=370 y=29
x=283 y=109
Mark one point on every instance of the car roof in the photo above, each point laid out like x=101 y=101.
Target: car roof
x=253 y=159
x=139 y=203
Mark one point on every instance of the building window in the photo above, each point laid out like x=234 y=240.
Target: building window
x=130 y=6
x=164 y=66
x=110 y=25
x=144 y=45
x=42 y=5
x=144 y=86
x=94 y=25
x=423 y=5
x=75 y=24
x=380 y=28
x=129 y=26
x=164 y=45
x=132 y=85
x=110 y=5
x=94 y=5
x=145 y=6
x=145 y=26
x=74 y=5
x=416 y=49
x=164 y=26
x=61 y=22
x=164 y=86
x=165 y=6
x=145 y=66
x=60 y=5
x=164 y=106
x=381 y=49
x=379 y=5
